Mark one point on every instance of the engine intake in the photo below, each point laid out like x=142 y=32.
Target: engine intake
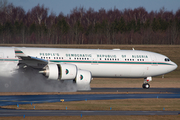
x=83 y=80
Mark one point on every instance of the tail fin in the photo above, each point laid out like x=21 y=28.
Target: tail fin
x=19 y=53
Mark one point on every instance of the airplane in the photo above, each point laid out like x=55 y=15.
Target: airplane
x=81 y=65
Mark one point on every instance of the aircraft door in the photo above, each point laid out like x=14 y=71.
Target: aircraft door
x=154 y=60
x=1 y=57
x=94 y=60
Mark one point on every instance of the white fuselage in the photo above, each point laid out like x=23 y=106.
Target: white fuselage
x=101 y=63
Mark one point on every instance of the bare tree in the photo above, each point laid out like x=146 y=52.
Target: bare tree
x=39 y=13
x=3 y=5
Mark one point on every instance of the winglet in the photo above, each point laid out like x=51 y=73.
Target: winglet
x=18 y=52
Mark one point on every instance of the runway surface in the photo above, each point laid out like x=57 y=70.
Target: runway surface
x=4 y=112
x=28 y=99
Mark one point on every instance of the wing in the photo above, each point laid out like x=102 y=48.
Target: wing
x=30 y=61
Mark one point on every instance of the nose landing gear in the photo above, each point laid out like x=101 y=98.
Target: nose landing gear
x=146 y=82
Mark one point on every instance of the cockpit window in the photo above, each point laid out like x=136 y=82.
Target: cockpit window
x=167 y=59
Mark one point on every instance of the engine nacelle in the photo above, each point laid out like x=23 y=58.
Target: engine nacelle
x=60 y=71
x=83 y=80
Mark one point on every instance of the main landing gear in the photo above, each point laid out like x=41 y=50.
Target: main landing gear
x=146 y=82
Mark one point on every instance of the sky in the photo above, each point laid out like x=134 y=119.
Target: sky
x=66 y=6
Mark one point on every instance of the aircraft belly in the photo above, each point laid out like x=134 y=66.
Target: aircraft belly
x=157 y=70
x=137 y=71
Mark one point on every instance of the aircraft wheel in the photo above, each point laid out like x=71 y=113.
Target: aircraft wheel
x=146 y=86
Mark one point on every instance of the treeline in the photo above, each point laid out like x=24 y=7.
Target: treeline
x=83 y=26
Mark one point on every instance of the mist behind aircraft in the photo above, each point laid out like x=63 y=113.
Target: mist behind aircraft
x=31 y=81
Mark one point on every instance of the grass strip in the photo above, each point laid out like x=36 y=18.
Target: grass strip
x=153 y=104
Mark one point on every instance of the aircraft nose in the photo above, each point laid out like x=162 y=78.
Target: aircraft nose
x=175 y=66
x=172 y=67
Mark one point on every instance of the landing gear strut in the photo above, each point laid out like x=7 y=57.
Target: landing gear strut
x=146 y=82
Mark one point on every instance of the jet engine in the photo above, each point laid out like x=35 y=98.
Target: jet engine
x=60 y=71
x=83 y=80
